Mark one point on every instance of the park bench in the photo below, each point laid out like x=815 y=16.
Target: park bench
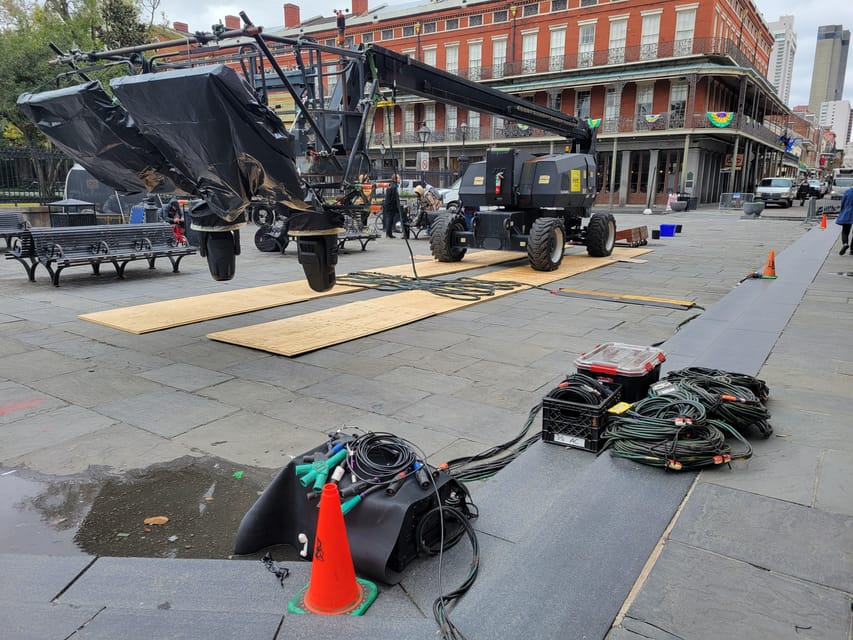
x=12 y=223
x=353 y=230
x=59 y=248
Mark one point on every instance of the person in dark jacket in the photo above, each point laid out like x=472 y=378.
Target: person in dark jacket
x=172 y=213
x=845 y=219
x=391 y=206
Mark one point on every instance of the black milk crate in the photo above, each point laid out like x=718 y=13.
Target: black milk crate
x=577 y=425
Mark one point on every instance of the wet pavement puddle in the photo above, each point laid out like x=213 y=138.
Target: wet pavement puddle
x=202 y=501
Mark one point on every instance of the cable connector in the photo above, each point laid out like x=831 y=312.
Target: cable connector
x=422 y=475
x=682 y=421
x=674 y=465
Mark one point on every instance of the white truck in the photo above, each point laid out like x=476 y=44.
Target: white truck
x=842 y=180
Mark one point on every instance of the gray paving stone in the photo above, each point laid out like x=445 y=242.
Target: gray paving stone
x=185 y=377
x=118 y=448
x=237 y=438
x=42 y=621
x=833 y=483
x=692 y=593
x=167 y=413
x=188 y=585
x=53 y=427
x=283 y=372
x=179 y=625
x=91 y=387
x=38 y=364
x=778 y=469
x=249 y=394
x=37 y=578
x=423 y=380
x=769 y=534
x=367 y=395
x=19 y=401
x=443 y=413
x=368 y=627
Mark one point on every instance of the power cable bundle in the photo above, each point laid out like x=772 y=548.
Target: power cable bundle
x=469 y=289
x=735 y=398
x=462 y=469
x=674 y=432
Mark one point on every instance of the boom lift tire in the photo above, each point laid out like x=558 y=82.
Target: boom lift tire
x=441 y=238
x=546 y=243
x=600 y=235
x=264 y=241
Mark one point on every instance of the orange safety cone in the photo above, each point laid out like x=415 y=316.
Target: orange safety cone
x=770 y=267
x=823 y=222
x=333 y=588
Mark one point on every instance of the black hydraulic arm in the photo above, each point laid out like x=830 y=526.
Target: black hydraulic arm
x=408 y=75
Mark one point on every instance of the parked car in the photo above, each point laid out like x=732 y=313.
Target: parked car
x=450 y=195
x=781 y=191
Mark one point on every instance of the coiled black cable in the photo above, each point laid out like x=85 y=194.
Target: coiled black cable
x=378 y=457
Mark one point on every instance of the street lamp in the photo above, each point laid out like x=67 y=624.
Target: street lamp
x=423 y=135
x=513 y=10
x=418 y=34
x=463 y=158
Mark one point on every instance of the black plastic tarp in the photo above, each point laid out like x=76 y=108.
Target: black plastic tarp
x=83 y=121
x=209 y=124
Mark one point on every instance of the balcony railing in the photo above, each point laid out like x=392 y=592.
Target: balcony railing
x=617 y=55
x=673 y=121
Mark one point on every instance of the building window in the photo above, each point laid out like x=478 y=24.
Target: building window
x=451 y=118
x=475 y=60
x=429 y=115
x=684 y=23
x=450 y=25
x=408 y=30
x=650 y=36
x=677 y=105
x=582 y=99
x=367 y=37
x=558 y=5
x=451 y=58
x=429 y=27
x=409 y=119
x=429 y=56
x=528 y=52
x=645 y=94
x=499 y=16
x=557 y=49
x=473 y=125
x=387 y=34
x=475 y=21
x=555 y=100
x=498 y=57
x=331 y=42
x=612 y=106
x=589 y=3
x=530 y=10
x=586 y=44
x=616 y=47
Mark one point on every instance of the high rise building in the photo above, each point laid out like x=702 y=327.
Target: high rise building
x=780 y=71
x=835 y=116
x=830 y=65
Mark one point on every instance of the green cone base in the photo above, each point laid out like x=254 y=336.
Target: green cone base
x=367 y=594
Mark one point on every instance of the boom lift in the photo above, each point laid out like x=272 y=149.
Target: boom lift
x=182 y=120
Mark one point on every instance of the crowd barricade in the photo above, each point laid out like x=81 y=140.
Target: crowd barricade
x=734 y=201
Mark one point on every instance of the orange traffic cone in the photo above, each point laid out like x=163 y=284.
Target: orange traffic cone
x=823 y=222
x=770 y=267
x=333 y=588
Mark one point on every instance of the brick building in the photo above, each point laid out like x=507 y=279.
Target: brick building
x=677 y=90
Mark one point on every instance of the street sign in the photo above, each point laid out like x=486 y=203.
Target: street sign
x=423 y=160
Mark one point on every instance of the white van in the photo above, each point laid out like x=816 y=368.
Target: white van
x=781 y=191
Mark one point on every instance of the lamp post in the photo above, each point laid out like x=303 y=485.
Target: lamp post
x=463 y=157
x=423 y=159
x=513 y=10
x=418 y=35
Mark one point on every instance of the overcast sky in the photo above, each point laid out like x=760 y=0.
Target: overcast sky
x=808 y=16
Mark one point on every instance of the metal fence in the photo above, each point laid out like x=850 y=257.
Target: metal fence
x=32 y=176
x=734 y=201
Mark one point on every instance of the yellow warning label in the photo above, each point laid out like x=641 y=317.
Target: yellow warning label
x=546 y=179
x=478 y=181
x=575 y=180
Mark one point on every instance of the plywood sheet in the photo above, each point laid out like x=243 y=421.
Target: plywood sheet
x=167 y=314
x=300 y=334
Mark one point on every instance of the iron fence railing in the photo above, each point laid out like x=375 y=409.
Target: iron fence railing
x=31 y=175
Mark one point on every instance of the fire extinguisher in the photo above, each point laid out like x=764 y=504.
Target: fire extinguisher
x=499 y=180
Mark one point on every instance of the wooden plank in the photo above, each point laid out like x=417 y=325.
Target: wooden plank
x=301 y=334
x=156 y=316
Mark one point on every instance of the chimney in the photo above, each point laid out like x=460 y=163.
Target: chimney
x=291 y=15
x=359 y=7
x=183 y=27
x=232 y=22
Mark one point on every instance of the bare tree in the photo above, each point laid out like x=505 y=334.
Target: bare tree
x=148 y=9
